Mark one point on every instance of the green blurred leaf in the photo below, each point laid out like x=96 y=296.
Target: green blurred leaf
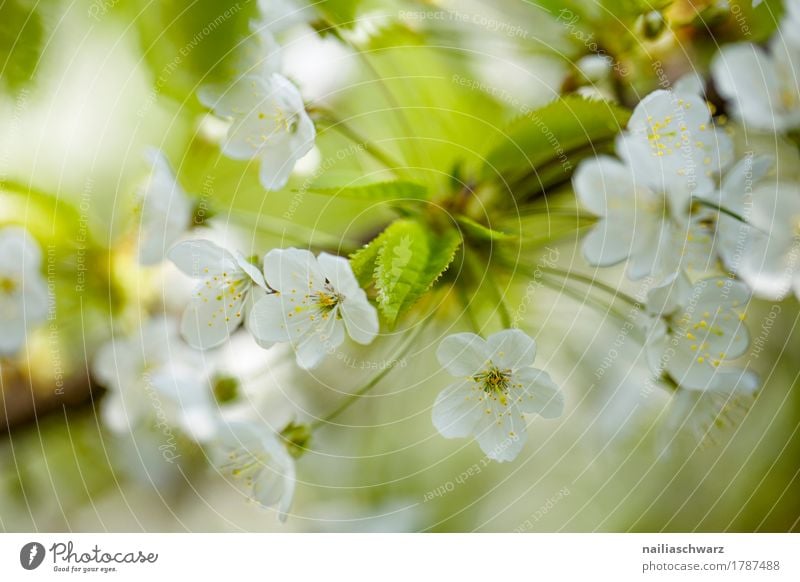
x=21 y=39
x=478 y=231
x=559 y=134
x=398 y=191
x=338 y=12
x=188 y=44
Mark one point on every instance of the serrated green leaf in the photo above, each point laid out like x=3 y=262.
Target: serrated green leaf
x=401 y=263
x=558 y=134
x=378 y=192
x=363 y=260
x=404 y=262
x=21 y=38
x=478 y=231
x=443 y=250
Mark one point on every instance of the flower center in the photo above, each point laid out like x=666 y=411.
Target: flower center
x=494 y=380
x=7 y=285
x=327 y=299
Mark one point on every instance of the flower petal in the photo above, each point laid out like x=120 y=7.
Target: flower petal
x=202 y=258
x=458 y=410
x=292 y=271
x=463 y=354
x=535 y=392
x=511 y=349
x=361 y=319
x=501 y=431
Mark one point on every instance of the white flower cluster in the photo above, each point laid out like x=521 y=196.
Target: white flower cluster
x=268 y=119
x=667 y=208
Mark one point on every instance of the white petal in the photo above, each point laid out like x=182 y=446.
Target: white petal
x=255 y=295
x=292 y=271
x=269 y=320
x=314 y=346
x=463 y=354
x=19 y=251
x=202 y=258
x=251 y=270
x=338 y=271
x=502 y=432
x=535 y=392
x=276 y=166
x=457 y=410
x=604 y=185
x=733 y=382
x=608 y=243
x=212 y=316
x=361 y=318
x=511 y=349
x=746 y=76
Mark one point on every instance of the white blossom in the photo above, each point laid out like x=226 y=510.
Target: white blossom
x=152 y=376
x=228 y=288
x=767 y=252
x=268 y=122
x=695 y=331
x=761 y=85
x=657 y=230
x=253 y=456
x=316 y=300
x=497 y=387
x=23 y=289
x=165 y=210
x=671 y=143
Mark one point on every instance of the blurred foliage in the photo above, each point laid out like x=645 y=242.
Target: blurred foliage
x=22 y=34
x=461 y=145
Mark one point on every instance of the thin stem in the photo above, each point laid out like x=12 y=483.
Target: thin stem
x=584 y=299
x=718 y=208
x=478 y=272
x=591 y=282
x=352 y=398
x=295 y=232
x=346 y=130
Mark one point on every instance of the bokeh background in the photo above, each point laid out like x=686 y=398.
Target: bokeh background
x=87 y=85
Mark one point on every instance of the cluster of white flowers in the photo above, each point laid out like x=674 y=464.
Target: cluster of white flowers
x=156 y=381
x=268 y=119
x=670 y=209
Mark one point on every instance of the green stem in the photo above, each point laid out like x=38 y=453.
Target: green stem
x=598 y=305
x=352 y=398
x=718 y=208
x=294 y=232
x=592 y=282
x=346 y=130
x=478 y=271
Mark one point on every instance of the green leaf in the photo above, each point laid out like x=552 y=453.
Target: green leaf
x=478 y=231
x=21 y=39
x=188 y=44
x=363 y=260
x=404 y=262
x=557 y=135
x=401 y=263
x=338 y=12
x=398 y=191
x=443 y=250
